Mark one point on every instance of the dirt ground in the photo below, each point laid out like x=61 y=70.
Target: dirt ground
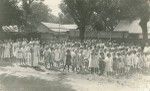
x=15 y=78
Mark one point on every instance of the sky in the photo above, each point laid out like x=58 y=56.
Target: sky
x=54 y=5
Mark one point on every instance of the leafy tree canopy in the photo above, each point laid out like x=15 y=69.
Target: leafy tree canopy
x=10 y=14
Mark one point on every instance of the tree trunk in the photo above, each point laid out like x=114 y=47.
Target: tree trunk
x=143 y=24
x=1 y=28
x=81 y=35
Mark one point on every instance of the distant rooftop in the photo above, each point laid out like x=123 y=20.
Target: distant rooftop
x=10 y=28
x=131 y=26
x=60 y=27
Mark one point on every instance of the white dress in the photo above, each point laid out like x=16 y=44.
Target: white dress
x=133 y=60
x=147 y=61
x=128 y=60
x=57 y=55
x=7 y=50
x=86 y=54
x=38 y=52
x=62 y=55
x=19 y=53
x=35 y=56
x=93 y=62
x=28 y=55
x=15 y=49
x=108 y=67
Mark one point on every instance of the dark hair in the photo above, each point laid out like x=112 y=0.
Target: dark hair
x=68 y=51
x=101 y=53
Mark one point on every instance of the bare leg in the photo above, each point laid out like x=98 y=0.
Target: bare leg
x=64 y=67
x=68 y=68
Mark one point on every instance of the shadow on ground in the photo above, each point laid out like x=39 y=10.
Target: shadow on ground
x=14 y=83
x=4 y=63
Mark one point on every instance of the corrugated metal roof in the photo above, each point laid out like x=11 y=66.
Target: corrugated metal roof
x=53 y=25
x=59 y=27
x=10 y=28
x=70 y=26
x=59 y=30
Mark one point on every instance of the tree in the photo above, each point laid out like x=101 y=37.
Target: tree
x=39 y=13
x=65 y=16
x=28 y=16
x=27 y=12
x=106 y=15
x=10 y=14
x=136 y=9
x=65 y=19
x=80 y=11
x=26 y=5
x=53 y=19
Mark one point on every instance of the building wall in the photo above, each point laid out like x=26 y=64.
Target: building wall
x=100 y=34
x=43 y=29
x=47 y=36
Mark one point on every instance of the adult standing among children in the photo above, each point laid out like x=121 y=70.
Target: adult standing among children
x=102 y=64
x=28 y=54
x=115 y=63
x=62 y=55
x=75 y=61
x=20 y=54
x=34 y=55
x=81 y=61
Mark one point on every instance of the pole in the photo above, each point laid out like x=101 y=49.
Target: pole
x=59 y=25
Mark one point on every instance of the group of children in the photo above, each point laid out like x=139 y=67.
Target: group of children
x=96 y=56
x=92 y=56
x=21 y=52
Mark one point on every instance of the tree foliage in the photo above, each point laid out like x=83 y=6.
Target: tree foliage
x=80 y=11
x=26 y=5
x=133 y=9
x=39 y=13
x=100 y=14
x=29 y=25
x=65 y=17
x=10 y=14
x=106 y=15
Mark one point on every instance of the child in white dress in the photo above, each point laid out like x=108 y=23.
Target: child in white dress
x=109 y=63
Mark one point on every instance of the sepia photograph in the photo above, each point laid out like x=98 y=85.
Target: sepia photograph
x=74 y=45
